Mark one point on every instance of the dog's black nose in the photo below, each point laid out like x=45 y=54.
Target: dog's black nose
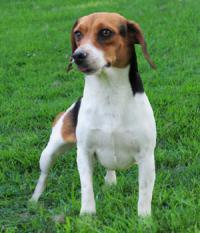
x=79 y=57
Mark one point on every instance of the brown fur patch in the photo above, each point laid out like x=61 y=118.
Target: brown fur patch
x=115 y=49
x=68 y=129
x=57 y=118
x=118 y=49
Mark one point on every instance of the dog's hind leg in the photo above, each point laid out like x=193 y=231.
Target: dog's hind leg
x=61 y=140
x=48 y=156
x=110 y=178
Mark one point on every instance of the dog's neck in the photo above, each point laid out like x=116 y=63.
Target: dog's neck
x=111 y=78
x=117 y=78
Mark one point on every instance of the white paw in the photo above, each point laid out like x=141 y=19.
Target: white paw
x=33 y=199
x=110 y=181
x=110 y=178
x=144 y=210
x=88 y=211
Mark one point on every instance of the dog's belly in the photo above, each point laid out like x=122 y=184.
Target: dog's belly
x=115 y=149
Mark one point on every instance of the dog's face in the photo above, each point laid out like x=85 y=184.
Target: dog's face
x=102 y=40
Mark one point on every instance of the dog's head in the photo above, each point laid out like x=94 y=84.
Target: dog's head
x=102 y=40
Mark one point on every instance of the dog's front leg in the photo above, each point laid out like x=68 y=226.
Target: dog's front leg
x=85 y=168
x=146 y=184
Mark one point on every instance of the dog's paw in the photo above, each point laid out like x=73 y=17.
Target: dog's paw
x=110 y=178
x=110 y=181
x=32 y=205
x=33 y=200
x=87 y=211
x=144 y=210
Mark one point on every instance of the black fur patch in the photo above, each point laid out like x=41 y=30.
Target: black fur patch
x=102 y=39
x=134 y=76
x=122 y=30
x=75 y=112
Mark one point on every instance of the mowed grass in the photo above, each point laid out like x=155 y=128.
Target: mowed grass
x=34 y=86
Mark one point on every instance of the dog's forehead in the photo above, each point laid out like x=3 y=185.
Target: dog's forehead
x=95 y=19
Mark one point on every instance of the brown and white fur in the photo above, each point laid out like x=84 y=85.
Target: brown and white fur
x=113 y=122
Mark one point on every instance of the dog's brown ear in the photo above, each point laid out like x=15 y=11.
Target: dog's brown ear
x=73 y=42
x=73 y=46
x=137 y=37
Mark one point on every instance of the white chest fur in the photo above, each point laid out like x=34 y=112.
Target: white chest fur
x=113 y=123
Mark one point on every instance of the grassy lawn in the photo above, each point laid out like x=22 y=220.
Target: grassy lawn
x=34 y=87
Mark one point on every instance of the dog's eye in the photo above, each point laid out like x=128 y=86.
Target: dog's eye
x=78 y=35
x=106 y=33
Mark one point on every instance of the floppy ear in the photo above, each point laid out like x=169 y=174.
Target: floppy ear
x=73 y=46
x=73 y=43
x=137 y=37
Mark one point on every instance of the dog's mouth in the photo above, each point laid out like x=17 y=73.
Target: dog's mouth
x=86 y=69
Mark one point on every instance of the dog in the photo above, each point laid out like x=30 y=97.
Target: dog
x=113 y=122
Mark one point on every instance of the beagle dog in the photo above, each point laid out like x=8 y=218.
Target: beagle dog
x=113 y=122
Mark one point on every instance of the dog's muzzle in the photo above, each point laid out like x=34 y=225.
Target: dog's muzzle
x=79 y=57
x=81 y=60
x=89 y=59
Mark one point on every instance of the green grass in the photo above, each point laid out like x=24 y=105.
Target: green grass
x=34 y=87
